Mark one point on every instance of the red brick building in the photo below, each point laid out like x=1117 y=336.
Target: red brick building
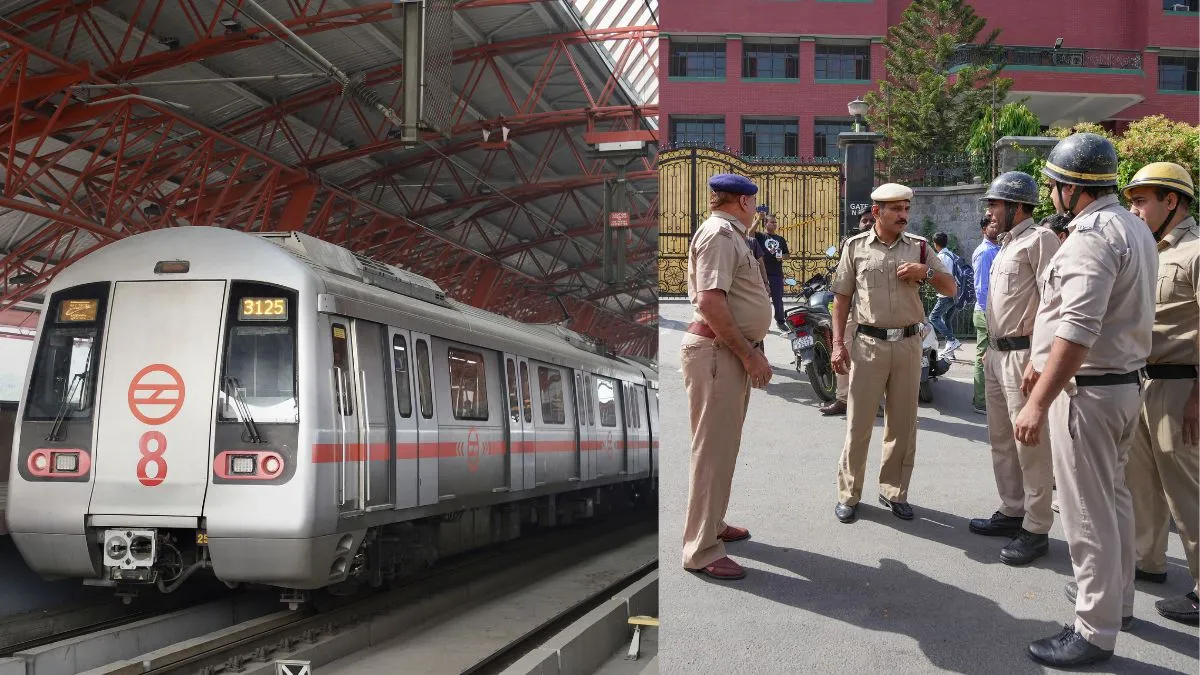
x=773 y=77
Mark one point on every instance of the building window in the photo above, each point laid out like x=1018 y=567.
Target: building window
x=708 y=131
x=825 y=133
x=770 y=138
x=468 y=385
x=550 y=384
x=1177 y=73
x=843 y=62
x=1181 y=5
x=697 y=59
x=771 y=60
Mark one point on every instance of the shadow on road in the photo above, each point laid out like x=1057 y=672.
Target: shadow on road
x=957 y=630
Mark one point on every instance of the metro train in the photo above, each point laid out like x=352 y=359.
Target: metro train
x=273 y=409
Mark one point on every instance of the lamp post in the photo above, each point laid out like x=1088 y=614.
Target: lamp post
x=858 y=167
x=857 y=108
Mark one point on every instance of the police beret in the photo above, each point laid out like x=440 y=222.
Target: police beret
x=891 y=192
x=731 y=182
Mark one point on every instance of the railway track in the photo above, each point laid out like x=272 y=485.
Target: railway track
x=362 y=623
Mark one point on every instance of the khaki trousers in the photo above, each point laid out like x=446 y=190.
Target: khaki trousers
x=718 y=391
x=881 y=367
x=1024 y=473
x=1090 y=436
x=1163 y=477
x=843 y=381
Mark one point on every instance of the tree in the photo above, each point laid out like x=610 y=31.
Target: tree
x=921 y=106
x=1015 y=119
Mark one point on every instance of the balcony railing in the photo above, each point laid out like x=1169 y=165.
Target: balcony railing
x=1045 y=57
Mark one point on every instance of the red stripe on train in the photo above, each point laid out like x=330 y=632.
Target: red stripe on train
x=332 y=452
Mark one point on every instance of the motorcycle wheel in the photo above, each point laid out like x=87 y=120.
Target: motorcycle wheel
x=820 y=371
x=925 y=393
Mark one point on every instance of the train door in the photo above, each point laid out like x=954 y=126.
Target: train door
x=153 y=449
x=516 y=427
x=529 y=456
x=408 y=479
x=376 y=455
x=611 y=434
x=652 y=409
x=643 y=425
x=556 y=461
x=582 y=409
x=427 y=421
x=347 y=428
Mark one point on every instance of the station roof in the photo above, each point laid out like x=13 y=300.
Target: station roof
x=122 y=116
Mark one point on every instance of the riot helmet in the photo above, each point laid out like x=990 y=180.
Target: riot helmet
x=1012 y=186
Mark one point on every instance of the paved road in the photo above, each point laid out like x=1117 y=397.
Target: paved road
x=881 y=595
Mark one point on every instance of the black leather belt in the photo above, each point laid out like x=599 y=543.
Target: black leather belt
x=1107 y=380
x=1170 y=371
x=1010 y=344
x=889 y=334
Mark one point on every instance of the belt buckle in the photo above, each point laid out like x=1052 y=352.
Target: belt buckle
x=894 y=334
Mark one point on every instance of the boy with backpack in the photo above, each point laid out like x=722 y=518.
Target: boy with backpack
x=947 y=306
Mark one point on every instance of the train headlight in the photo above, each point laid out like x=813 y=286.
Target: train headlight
x=66 y=462
x=242 y=465
x=271 y=465
x=41 y=462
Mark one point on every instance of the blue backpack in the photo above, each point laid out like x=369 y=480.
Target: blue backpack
x=964 y=276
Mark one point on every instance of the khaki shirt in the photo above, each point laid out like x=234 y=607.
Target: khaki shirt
x=1177 y=301
x=1013 y=291
x=718 y=258
x=867 y=274
x=1098 y=291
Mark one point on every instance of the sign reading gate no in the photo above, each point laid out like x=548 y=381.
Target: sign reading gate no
x=618 y=219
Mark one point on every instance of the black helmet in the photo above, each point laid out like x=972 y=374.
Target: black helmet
x=1083 y=159
x=1013 y=186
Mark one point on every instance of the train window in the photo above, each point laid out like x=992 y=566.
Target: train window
x=424 y=387
x=341 y=365
x=551 y=388
x=591 y=404
x=525 y=396
x=606 y=396
x=68 y=354
x=468 y=384
x=514 y=399
x=403 y=381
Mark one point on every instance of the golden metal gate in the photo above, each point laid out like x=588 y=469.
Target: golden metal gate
x=806 y=198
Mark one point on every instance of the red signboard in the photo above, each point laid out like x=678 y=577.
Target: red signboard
x=618 y=219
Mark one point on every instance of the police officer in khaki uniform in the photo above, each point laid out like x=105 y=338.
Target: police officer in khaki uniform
x=880 y=272
x=1090 y=338
x=1164 y=465
x=1024 y=474
x=838 y=405
x=721 y=359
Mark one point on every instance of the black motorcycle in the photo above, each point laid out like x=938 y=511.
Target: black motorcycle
x=810 y=330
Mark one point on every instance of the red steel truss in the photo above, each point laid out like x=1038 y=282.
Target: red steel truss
x=135 y=166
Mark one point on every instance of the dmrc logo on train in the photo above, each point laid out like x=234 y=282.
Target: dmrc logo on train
x=156 y=396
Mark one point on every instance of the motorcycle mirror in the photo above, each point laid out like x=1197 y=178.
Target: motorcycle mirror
x=789 y=282
x=831 y=251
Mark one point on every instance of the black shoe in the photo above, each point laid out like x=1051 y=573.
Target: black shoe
x=844 y=513
x=1025 y=548
x=900 y=509
x=999 y=525
x=1067 y=649
x=781 y=326
x=1152 y=577
x=1072 y=590
x=1183 y=608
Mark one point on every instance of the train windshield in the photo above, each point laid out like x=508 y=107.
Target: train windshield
x=68 y=355
x=258 y=378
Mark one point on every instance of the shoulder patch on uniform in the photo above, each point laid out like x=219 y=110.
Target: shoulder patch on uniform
x=860 y=235
x=918 y=237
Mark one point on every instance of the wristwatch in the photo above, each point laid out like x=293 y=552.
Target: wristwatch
x=928 y=272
